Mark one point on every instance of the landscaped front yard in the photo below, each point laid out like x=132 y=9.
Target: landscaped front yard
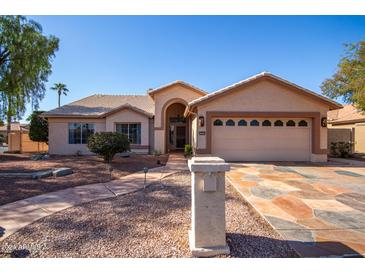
x=87 y=170
x=148 y=223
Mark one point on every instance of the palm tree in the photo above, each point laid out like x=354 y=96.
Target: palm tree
x=61 y=89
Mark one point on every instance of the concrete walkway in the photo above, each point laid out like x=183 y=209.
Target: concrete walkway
x=177 y=161
x=16 y=215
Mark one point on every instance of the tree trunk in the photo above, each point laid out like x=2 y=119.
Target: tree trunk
x=8 y=120
x=59 y=99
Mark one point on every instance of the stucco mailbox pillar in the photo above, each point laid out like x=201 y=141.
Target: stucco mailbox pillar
x=207 y=236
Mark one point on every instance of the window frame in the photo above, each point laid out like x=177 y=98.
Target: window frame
x=301 y=125
x=242 y=123
x=281 y=123
x=266 y=125
x=80 y=126
x=254 y=121
x=138 y=131
x=219 y=121
x=230 y=121
x=287 y=122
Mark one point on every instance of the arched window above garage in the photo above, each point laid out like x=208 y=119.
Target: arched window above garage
x=242 y=123
x=254 y=123
x=230 y=123
x=278 y=123
x=303 y=123
x=290 y=123
x=218 y=122
x=266 y=123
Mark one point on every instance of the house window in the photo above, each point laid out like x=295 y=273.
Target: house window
x=218 y=123
x=290 y=123
x=266 y=123
x=278 y=123
x=78 y=133
x=254 y=123
x=132 y=131
x=230 y=123
x=242 y=123
x=303 y=123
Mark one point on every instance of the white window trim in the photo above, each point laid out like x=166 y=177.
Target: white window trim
x=128 y=123
x=81 y=123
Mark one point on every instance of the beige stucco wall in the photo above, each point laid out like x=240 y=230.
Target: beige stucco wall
x=129 y=116
x=28 y=145
x=160 y=141
x=263 y=96
x=58 y=131
x=58 y=135
x=360 y=138
x=173 y=94
x=14 y=141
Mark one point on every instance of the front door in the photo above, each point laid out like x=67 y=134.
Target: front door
x=180 y=137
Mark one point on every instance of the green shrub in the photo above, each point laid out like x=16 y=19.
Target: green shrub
x=107 y=144
x=333 y=149
x=344 y=149
x=188 y=150
x=2 y=139
x=156 y=152
x=38 y=127
x=340 y=149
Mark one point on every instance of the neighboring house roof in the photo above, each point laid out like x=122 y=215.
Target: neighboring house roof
x=152 y=92
x=263 y=75
x=14 y=127
x=347 y=115
x=99 y=106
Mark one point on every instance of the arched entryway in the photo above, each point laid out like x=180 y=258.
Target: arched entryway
x=177 y=129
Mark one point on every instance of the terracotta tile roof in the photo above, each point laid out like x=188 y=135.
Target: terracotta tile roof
x=348 y=114
x=100 y=105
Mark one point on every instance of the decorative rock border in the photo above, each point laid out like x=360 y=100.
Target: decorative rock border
x=59 y=172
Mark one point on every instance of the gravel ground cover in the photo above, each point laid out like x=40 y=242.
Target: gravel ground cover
x=149 y=223
x=87 y=170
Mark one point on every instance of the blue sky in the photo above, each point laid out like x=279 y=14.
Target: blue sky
x=129 y=54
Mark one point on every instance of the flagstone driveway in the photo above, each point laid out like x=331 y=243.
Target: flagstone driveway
x=319 y=209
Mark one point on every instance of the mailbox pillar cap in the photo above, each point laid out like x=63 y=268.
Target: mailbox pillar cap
x=208 y=164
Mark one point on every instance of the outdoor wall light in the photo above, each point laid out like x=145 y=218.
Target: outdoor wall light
x=201 y=121
x=324 y=122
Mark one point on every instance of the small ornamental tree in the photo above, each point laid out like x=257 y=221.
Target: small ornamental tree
x=38 y=127
x=107 y=144
x=348 y=82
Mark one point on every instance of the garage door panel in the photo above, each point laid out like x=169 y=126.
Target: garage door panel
x=235 y=143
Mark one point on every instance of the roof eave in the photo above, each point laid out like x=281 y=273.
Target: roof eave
x=159 y=89
x=45 y=115
x=127 y=106
x=344 y=122
x=332 y=104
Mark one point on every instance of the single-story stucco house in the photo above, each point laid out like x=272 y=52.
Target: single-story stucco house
x=262 y=118
x=347 y=125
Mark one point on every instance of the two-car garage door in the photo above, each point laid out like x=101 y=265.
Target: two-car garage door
x=261 y=139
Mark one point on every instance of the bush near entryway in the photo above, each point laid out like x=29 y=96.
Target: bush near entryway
x=107 y=144
x=340 y=149
x=188 y=150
